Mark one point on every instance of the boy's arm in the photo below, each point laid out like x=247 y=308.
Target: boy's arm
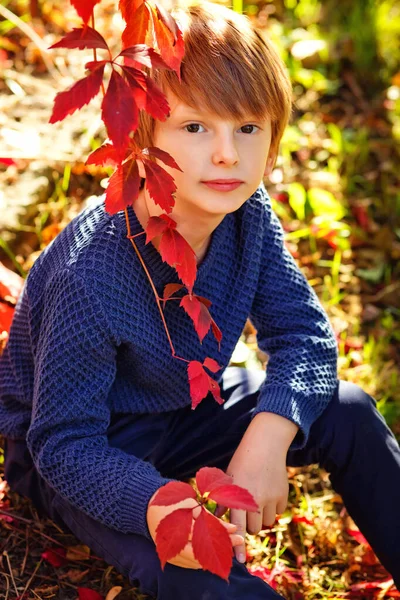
x=294 y=330
x=75 y=365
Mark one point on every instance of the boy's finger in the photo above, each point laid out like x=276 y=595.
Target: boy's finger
x=238 y=518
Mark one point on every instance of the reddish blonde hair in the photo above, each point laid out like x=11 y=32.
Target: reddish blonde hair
x=228 y=69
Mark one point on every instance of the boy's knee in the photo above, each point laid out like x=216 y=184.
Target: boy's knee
x=356 y=409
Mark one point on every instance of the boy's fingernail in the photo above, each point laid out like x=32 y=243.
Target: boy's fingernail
x=242 y=558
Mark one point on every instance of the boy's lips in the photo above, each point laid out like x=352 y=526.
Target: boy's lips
x=223 y=185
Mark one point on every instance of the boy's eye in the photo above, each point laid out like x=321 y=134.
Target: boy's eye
x=193 y=127
x=249 y=128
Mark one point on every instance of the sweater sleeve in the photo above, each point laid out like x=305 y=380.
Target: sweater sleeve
x=294 y=330
x=75 y=365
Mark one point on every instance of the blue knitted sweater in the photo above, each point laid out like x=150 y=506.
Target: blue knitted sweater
x=87 y=341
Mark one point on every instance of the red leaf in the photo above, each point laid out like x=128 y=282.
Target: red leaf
x=6 y=317
x=217 y=333
x=85 y=593
x=92 y=65
x=105 y=155
x=128 y=7
x=7 y=161
x=297 y=519
x=207 y=478
x=160 y=185
x=198 y=313
x=211 y=364
x=157 y=225
x=55 y=556
x=141 y=54
x=77 y=96
x=173 y=248
x=81 y=38
x=119 y=112
x=163 y=156
x=175 y=251
x=212 y=546
x=172 y=534
x=137 y=28
x=123 y=187
x=170 y=43
x=170 y=289
x=156 y=102
x=84 y=8
x=201 y=383
x=172 y=493
x=234 y=496
x=358 y=536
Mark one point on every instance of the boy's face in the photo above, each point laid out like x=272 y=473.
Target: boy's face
x=223 y=160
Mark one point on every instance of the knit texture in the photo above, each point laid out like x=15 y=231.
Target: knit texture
x=87 y=341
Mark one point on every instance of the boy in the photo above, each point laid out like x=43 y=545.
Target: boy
x=95 y=410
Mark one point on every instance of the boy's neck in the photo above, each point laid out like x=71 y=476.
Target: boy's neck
x=196 y=231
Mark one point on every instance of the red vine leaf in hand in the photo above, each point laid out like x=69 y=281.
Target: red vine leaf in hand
x=84 y=8
x=201 y=383
x=123 y=187
x=81 y=38
x=119 y=112
x=137 y=30
x=85 y=593
x=212 y=546
x=172 y=534
x=208 y=478
x=141 y=55
x=172 y=493
x=105 y=155
x=77 y=96
x=233 y=496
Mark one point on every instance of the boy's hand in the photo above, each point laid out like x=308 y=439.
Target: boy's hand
x=259 y=465
x=185 y=558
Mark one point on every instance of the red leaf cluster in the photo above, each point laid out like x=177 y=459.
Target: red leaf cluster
x=211 y=543
x=151 y=40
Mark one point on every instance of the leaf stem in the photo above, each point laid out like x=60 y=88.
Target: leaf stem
x=130 y=237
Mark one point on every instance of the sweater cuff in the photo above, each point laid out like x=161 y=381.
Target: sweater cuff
x=138 y=495
x=299 y=408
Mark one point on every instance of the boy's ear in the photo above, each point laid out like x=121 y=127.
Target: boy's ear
x=269 y=165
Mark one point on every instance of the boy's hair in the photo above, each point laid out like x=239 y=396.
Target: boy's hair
x=227 y=69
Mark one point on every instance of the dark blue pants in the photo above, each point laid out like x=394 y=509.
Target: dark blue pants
x=350 y=440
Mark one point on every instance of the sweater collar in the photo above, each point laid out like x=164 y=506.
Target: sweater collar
x=160 y=271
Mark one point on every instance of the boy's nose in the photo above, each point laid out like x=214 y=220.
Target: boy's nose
x=225 y=151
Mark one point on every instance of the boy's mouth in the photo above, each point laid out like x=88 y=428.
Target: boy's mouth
x=223 y=185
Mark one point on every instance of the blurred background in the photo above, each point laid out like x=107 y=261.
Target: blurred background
x=335 y=187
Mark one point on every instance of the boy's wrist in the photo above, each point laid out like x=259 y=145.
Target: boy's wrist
x=274 y=429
